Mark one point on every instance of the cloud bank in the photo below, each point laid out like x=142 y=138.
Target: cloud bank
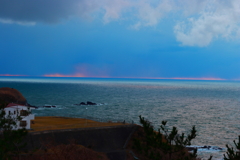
x=216 y=20
x=197 y=22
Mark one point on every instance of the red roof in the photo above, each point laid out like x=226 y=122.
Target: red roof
x=14 y=104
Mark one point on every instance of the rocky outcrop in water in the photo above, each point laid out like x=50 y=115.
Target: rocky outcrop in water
x=191 y=148
x=49 y=106
x=88 y=103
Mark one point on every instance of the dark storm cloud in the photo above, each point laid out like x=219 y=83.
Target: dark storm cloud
x=48 y=11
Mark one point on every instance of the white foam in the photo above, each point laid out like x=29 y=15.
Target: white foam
x=204 y=152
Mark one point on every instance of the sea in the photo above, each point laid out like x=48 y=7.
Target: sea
x=212 y=106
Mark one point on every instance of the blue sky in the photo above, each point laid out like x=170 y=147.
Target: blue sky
x=198 y=39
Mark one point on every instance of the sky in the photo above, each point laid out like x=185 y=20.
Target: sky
x=172 y=39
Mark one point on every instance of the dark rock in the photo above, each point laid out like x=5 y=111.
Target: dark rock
x=191 y=148
x=91 y=103
x=207 y=147
x=47 y=106
x=31 y=106
x=82 y=103
x=88 y=103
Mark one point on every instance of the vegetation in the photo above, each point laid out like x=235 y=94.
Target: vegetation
x=233 y=154
x=169 y=145
x=164 y=144
x=10 y=140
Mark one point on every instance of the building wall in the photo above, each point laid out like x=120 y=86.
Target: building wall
x=15 y=111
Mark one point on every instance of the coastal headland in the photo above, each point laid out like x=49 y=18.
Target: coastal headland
x=11 y=95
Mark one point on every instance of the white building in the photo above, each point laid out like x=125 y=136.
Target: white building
x=24 y=112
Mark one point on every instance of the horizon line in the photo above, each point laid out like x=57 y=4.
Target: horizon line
x=82 y=76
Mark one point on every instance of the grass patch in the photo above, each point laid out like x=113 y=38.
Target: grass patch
x=57 y=123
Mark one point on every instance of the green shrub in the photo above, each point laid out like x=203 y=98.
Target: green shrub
x=167 y=142
x=233 y=154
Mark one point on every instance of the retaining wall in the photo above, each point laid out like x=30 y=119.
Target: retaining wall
x=103 y=139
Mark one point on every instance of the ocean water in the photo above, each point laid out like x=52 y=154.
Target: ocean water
x=212 y=106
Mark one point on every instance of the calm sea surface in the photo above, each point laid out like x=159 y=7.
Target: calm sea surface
x=212 y=106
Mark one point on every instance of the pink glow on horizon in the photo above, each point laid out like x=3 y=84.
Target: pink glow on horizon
x=85 y=75
x=63 y=75
x=11 y=75
x=203 y=78
x=73 y=75
x=177 y=78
